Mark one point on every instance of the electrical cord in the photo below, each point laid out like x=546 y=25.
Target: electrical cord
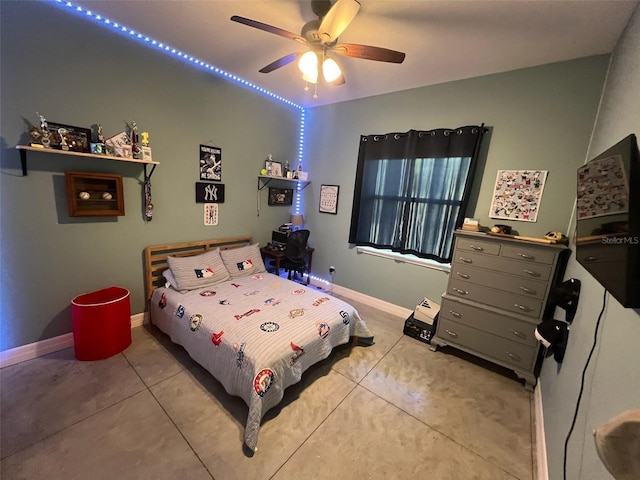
x=584 y=372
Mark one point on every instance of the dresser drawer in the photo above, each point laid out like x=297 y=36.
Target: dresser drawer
x=479 y=246
x=505 y=327
x=488 y=345
x=502 y=264
x=508 y=283
x=528 y=254
x=497 y=298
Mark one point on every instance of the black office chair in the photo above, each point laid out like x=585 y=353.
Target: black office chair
x=296 y=250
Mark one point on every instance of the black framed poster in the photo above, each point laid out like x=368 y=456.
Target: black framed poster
x=210 y=163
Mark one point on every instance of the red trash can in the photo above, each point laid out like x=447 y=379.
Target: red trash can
x=101 y=323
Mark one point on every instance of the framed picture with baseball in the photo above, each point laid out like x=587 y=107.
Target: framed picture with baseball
x=92 y=194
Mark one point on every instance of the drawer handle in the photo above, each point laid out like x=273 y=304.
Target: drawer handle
x=527 y=256
x=513 y=356
x=530 y=291
x=519 y=334
x=452 y=334
x=531 y=272
x=522 y=307
x=463 y=275
x=455 y=314
x=477 y=249
x=466 y=260
x=461 y=292
x=591 y=258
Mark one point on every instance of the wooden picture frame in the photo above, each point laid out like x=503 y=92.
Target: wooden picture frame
x=274 y=169
x=280 y=196
x=77 y=139
x=329 y=199
x=92 y=194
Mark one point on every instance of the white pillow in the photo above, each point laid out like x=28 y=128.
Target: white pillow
x=243 y=261
x=198 y=271
x=169 y=280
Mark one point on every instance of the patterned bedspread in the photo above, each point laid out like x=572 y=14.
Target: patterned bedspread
x=256 y=335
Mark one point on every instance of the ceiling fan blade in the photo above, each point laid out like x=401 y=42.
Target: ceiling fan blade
x=337 y=20
x=268 y=28
x=281 y=62
x=368 y=52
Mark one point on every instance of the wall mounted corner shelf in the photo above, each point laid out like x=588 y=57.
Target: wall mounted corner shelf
x=24 y=149
x=263 y=181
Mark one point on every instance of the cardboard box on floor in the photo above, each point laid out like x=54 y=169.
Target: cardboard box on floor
x=426 y=311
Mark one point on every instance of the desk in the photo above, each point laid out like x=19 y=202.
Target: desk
x=278 y=255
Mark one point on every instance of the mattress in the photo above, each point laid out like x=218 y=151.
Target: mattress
x=256 y=335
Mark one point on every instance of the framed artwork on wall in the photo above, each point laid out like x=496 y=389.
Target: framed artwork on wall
x=210 y=163
x=280 y=196
x=517 y=195
x=329 y=199
x=209 y=192
x=210 y=214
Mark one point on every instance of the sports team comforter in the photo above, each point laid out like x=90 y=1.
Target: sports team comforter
x=256 y=334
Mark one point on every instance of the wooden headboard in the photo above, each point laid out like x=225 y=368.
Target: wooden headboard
x=155 y=258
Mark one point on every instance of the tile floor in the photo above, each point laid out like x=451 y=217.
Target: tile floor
x=394 y=410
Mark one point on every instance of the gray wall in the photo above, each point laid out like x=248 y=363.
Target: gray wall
x=613 y=379
x=76 y=72
x=539 y=118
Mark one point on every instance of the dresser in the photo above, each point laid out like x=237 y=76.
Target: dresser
x=498 y=292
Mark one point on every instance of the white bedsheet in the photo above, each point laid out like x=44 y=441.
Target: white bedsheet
x=256 y=335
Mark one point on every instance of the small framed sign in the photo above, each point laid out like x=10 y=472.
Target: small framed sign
x=210 y=214
x=209 y=192
x=280 y=196
x=329 y=199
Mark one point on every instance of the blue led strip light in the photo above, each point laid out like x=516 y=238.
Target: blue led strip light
x=198 y=63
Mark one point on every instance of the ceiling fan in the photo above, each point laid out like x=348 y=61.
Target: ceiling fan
x=320 y=37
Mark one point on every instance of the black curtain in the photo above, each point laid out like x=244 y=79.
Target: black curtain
x=412 y=189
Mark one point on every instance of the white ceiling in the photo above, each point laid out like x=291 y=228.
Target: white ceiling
x=443 y=40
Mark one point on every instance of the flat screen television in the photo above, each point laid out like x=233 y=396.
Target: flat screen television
x=608 y=220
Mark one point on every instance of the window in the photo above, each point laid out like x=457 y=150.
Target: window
x=412 y=189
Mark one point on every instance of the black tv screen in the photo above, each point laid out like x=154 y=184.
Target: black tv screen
x=608 y=220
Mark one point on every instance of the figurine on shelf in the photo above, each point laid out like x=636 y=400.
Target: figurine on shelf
x=63 y=138
x=44 y=131
x=133 y=140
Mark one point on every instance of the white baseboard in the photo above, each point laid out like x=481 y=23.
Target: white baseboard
x=374 y=302
x=50 y=345
x=542 y=467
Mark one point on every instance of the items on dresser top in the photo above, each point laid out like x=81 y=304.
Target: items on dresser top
x=498 y=292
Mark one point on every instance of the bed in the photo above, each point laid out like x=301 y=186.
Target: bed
x=255 y=332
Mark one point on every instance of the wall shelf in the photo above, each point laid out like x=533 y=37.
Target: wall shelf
x=263 y=181
x=24 y=149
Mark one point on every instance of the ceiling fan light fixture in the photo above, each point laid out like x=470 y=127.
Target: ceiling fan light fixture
x=331 y=70
x=308 y=65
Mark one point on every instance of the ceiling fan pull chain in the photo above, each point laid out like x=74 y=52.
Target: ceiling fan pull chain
x=315 y=90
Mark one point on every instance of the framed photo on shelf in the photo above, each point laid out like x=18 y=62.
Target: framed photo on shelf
x=274 y=169
x=76 y=139
x=329 y=199
x=280 y=196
